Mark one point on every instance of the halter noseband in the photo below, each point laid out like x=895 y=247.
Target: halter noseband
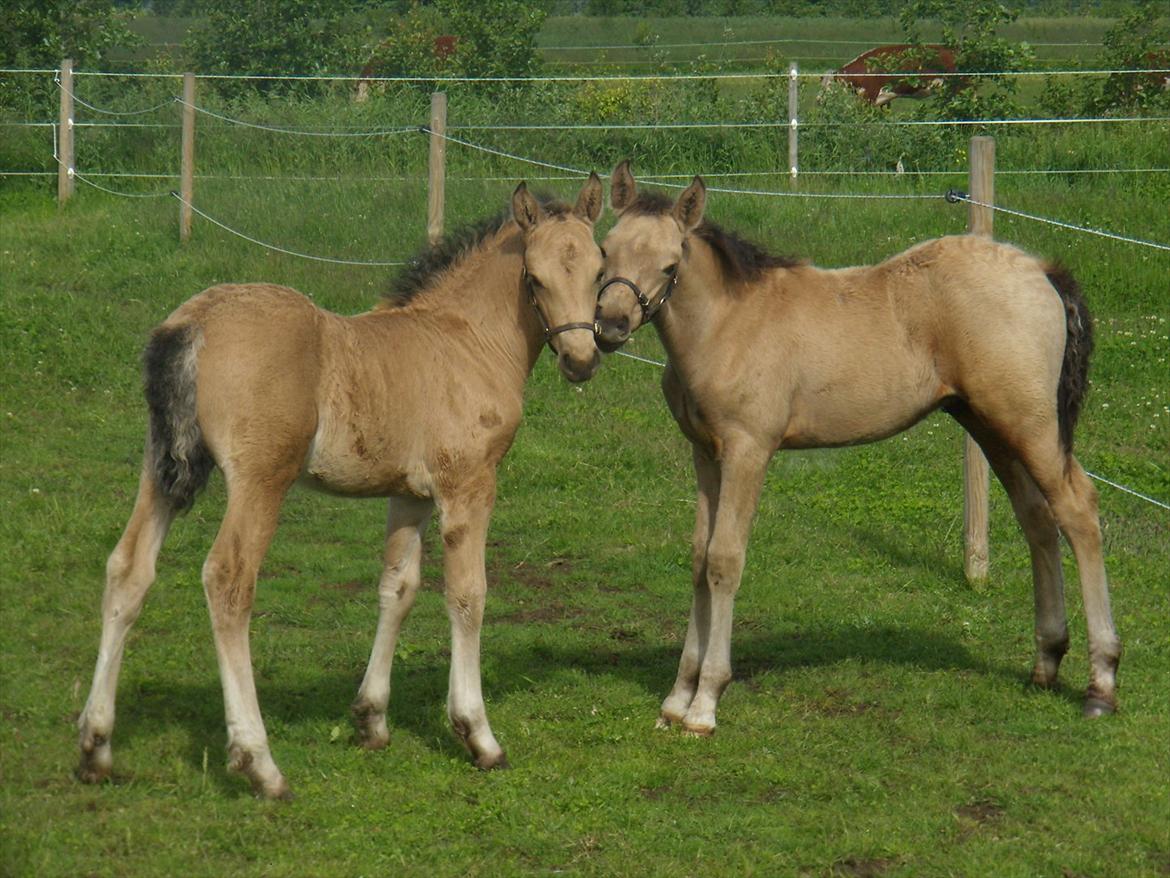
x=549 y=332
x=650 y=308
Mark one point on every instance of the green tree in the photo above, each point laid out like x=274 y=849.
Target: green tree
x=496 y=37
x=1136 y=42
x=969 y=30
x=39 y=33
x=492 y=38
x=285 y=37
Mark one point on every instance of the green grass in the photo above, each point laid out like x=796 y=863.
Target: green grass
x=879 y=722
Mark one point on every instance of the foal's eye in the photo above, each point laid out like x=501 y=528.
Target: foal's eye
x=603 y=254
x=670 y=269
x=600 y=275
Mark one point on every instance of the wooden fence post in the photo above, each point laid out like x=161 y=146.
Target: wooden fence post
x=187 y=159
x=793 y=97
x=437 y=178
x=65 y=153
x=981 y=184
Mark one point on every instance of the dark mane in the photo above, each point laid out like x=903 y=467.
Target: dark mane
x=740 y=258
x=421 y=271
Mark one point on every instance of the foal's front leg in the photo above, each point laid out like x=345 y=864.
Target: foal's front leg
x=463 y=522
x=742 y=471
x=401 y=574
x=675 y=706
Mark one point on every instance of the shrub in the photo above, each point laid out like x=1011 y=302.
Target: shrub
x=40 y=33
x=293 y=37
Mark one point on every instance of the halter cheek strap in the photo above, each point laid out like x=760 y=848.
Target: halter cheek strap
x=650 y=308
x=549 y=332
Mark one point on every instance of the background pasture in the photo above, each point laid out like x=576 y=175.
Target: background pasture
x=879 y=722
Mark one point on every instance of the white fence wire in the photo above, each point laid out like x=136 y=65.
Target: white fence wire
x=571 y=172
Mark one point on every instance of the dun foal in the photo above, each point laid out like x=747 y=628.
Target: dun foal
x=766 y=353
x=417 y=400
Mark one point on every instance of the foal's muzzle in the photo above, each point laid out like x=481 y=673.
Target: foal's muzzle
x=613 y=332
x=576 y=369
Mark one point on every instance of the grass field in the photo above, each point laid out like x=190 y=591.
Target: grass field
x=879 y=723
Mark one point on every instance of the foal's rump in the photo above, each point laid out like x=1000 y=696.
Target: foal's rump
x=233 y=368
x=1014 y=335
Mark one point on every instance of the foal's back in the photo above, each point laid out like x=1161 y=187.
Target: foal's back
x=861 y=353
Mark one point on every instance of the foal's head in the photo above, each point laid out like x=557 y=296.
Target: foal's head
x=563 y=265
x=642 y=253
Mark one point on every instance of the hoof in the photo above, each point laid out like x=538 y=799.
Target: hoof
x=269 y=784
x=97 y=762
x=696 y=731
x=498 y=762
x=88 y=772
x=1043 y=680
x=280 y=792
x=663 y=722
x=1096 y=706
x=372 y=742
x=371 y=732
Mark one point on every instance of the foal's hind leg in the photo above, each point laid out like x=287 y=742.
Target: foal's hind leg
x=1040 y=530
x=1074 y=504
x=675 y=706
x=401 y=573
x=129 y=575
x=1072 y=500
x=229 y=582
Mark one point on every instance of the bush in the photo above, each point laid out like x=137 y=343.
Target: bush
x=40 y=33
x=1137 y=42
x=493 y=38
x=292 y=37
x=968 y=29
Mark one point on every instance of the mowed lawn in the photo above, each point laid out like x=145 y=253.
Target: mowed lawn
x=879 y=722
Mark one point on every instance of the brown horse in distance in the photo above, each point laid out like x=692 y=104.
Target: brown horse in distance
x=418 y=400
x=767 y=353
x=882 y=74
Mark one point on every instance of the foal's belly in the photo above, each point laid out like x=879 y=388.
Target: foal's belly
x=345 y=459
x=841 y=417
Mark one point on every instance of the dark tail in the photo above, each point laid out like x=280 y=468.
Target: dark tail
x=179 y=460
x=1078 y=347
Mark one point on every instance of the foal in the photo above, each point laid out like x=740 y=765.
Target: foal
x=417 y=400
x=766 y=353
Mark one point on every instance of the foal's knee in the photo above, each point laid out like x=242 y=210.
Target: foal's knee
x=724 y=569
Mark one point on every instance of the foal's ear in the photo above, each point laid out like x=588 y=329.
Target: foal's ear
x=622 y=188
x=526 y=210
x=688 y=210
x=591 y=199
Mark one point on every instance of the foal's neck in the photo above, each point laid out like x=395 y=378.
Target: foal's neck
x=485 y=291
x=696 y=309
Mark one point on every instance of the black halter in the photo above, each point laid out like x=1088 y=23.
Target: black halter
x=549 y=332
x=650 y=307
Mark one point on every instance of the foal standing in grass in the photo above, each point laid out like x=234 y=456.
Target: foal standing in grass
x=766 y=353
x=417 y=400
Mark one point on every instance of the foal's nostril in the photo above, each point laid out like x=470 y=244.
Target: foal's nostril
x=578 y=370
x=622 y=325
